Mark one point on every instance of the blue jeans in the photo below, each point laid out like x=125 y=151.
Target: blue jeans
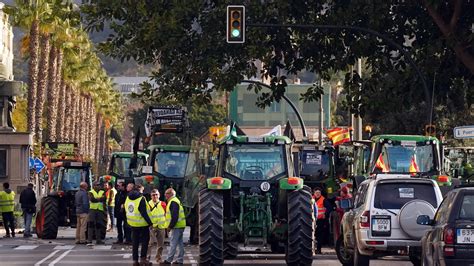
x=110 y=210
x=176 y=241
x=27 y=217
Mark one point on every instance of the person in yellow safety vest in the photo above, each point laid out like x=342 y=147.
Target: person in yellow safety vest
x=176 y=222
x=110 y=196
x=7 y=206
x=322 y=224
x=157 y=231
x=96 y=218
x=138 y=215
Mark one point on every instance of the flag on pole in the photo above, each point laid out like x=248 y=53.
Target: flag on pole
x=380 y=164
x=413 y=169
x=339 y=135
x=276 y=131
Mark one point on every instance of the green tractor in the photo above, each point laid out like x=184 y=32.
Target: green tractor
x=460 y=163
x=255 y=200
x=411 y=155
x=119 y=167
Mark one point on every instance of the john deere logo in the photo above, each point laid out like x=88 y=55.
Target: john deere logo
x=130 y=207
x=265 y=186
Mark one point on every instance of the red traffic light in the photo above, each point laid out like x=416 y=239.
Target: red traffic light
x=235 y=24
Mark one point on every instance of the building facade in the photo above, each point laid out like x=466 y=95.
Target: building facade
x=244 y=111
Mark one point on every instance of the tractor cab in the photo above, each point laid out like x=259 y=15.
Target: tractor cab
x=460 y=163
x=67 y=176
x=119 y=167
x=415 y=156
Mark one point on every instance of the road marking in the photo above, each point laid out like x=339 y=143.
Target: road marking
x=101 y=247
x=26 y=247
x=124 y=255
x=65 y=247
x=47 y=258
x=60 y=258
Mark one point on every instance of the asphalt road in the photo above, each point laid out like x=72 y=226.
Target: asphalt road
x=63 y=251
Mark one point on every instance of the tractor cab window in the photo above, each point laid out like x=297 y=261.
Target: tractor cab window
x=409 y=157
x=121 y=165
x=315 y=163
x=255 y=161
x=70 y=178
x=171 y=164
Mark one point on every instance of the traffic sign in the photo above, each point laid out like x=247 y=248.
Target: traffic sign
x=39 y=165
x=464 y=132
x=31 y=162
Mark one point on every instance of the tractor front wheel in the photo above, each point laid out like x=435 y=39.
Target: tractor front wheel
x=211 y=227
x=300 y=228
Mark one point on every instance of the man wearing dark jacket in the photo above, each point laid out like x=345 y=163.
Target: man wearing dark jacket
x=82 y=211
x=28 y=205
x=119 y=214
x=138 y=218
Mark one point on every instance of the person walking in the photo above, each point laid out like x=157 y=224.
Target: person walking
x=157 y=231
x=28 y=205
x=96 y=217
x=322 y=224
x=176 y=222
x=82 y=211
x=7 y=206
x=119 y=214
x=126 y=227
x=138 y=217
x=110 y=196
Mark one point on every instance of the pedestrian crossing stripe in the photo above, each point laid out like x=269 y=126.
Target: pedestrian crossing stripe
x=65 y=247
x=26 y=247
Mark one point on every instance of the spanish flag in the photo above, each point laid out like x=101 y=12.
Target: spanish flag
x=381 y=164
x=339 y=135
x=413 y=169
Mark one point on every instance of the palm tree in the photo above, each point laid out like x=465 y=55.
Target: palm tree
x=43 y=76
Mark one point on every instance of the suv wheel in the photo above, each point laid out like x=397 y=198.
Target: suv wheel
x=359 y=259
x=346 y=258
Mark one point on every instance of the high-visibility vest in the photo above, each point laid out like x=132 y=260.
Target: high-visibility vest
x=157 y=214
x=108 y=196
x=181 y=218
x=134 y=217
x=97 y=205
x=321 y=208
x=7 y=201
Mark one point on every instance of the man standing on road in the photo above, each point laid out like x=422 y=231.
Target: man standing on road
x=176 y=222
x=96 y=216
x=157 y=231
x=322 y=224
x=82 y=211
x=126 y=228
x=28 y=205
x=7 y=206
x=110 y=195
x=119 y=214
x=138 y=217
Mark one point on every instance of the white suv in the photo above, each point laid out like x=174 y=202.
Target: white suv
x=382 y=220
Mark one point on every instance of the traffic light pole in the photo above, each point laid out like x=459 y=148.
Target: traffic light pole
x=360 y=30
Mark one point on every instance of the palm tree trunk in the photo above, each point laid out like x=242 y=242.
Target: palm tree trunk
x=73 y=117
x=69 y=112
x=42 y=82
x=82 y=125
x=65 y=100
x=88 y=125
x=33 y=75
x=98 y=127
x=52 y=108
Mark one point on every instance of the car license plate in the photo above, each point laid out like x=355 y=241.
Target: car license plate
x=381 y=225
x=465 y=236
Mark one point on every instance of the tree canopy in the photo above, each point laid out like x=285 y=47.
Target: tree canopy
x=188 y=40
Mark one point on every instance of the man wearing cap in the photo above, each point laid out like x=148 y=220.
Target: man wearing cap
x=176 y=222
x=96 y=217
x=138 y=218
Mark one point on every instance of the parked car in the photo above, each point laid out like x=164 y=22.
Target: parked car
x=450 y=239
x=382 y=220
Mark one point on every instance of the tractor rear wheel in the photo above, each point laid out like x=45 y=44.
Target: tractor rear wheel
x=230 y=250
x=47 y=219
x=300 y=228
x=211 y=227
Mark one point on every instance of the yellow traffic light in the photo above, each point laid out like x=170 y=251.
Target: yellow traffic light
x=235 y=24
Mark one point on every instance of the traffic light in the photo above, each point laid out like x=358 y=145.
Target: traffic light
x=430 y=130
x=235 y=24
